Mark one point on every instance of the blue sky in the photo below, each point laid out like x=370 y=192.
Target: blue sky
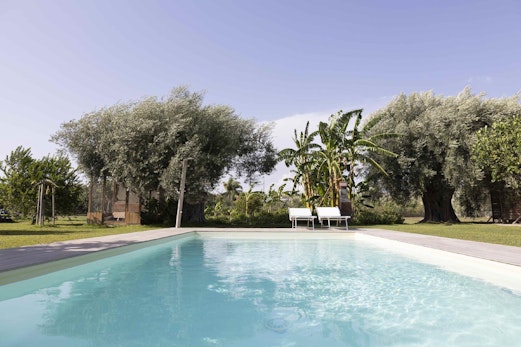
x=281 y=61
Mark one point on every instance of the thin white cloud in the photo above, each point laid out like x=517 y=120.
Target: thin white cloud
x=284 y=128
x=283 y=133
x=480 y=79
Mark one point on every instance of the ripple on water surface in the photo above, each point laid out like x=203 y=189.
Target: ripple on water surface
x=284 y=292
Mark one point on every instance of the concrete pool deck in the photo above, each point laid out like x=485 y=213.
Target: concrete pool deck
x=23 y=257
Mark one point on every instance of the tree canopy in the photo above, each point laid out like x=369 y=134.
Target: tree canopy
x=20 y=174
x=497 y=150
x=435 y=150
x=321 y=166
x=143 y=143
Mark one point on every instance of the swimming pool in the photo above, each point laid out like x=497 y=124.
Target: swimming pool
x=224 y=290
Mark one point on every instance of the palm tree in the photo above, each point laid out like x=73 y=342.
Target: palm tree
x=274 y=198
x=301 y=158
x=328 y=161
x=321 y=167
x=233 y=188
x=357 y=146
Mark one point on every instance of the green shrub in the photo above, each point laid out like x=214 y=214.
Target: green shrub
x=377 y=215
x=259 y=220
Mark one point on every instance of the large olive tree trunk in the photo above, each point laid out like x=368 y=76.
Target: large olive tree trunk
x=437 y=203
x=193 y=213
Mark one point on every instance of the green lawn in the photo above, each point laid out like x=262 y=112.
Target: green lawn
x=24 y=234
x=484 y=232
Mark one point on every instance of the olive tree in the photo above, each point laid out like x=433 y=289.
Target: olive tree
x=434 y=152
x=143 y=144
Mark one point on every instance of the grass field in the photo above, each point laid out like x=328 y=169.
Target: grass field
x=503 y=234
x=24 y=234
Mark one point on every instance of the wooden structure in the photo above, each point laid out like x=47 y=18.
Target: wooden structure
x=345 y=205
x=111 y=202
x=40 y=203
x=505 y=203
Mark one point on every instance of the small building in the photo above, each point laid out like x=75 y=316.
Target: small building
x=110 y=202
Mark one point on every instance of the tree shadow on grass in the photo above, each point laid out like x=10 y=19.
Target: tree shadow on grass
x=35 y=232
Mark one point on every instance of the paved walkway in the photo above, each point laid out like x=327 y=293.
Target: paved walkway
x=503 y=254
x=16 y=258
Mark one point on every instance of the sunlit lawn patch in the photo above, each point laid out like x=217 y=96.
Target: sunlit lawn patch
x=482 y=232
x=24 y=233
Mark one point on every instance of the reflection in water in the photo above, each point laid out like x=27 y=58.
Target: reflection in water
x=157 y=301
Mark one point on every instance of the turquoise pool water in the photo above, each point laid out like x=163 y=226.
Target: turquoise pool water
x=205 y=291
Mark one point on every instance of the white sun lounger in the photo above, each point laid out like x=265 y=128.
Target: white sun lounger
x=331 y=214
x=296 y=214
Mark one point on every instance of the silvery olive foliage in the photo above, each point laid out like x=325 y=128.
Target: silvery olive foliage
x=435 y=150
x=143 y=143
